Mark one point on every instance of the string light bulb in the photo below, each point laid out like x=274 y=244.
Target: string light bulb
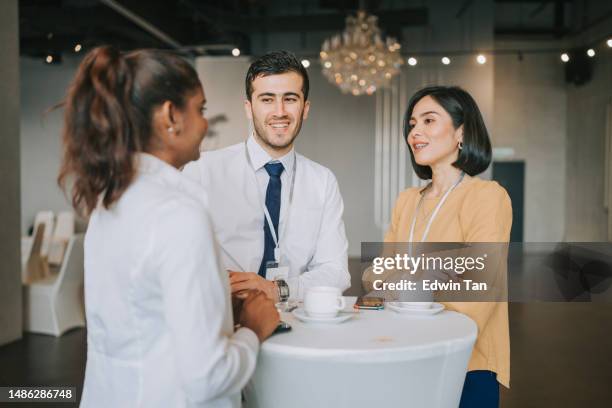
x=591 y=52
x=49 y=59
x=77 y=48
x=236 y=52
x=446 y=60
x=565 y=57
x=305 y=63
x=481 y=59
x=412 y=61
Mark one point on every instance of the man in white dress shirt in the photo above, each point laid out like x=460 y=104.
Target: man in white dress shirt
x=276 y=214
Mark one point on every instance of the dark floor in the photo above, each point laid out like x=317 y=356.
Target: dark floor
x=561 y=357
x=39 y=360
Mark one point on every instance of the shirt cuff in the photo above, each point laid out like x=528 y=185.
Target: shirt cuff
x=248 y=337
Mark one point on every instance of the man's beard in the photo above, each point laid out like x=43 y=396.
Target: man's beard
x=263 y=136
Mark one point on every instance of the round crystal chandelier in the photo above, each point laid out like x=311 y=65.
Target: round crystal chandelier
x=358 y=61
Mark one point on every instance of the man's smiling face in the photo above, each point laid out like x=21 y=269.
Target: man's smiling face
x=277 y=108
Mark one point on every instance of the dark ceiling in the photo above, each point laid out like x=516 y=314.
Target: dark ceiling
x=216 y=26
x=198 y=27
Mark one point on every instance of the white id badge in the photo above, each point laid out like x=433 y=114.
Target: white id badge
x=275 y=271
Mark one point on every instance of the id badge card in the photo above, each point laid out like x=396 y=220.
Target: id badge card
x=275 y=271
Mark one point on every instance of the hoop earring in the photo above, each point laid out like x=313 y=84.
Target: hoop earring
x=460 y=145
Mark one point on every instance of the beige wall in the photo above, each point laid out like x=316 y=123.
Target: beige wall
x=586 y=216
x=530 y=117
x=10 y=266
x=223 y=81
x=558 y=129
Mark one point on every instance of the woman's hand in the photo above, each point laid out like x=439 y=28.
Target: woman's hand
x=259 y=314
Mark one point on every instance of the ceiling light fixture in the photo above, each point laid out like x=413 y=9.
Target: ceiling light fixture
x=358 y=60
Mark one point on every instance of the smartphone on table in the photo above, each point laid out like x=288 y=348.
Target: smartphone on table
x=369 y=303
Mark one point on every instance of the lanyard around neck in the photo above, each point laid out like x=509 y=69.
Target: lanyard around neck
x=275 y=238
x=434 y=213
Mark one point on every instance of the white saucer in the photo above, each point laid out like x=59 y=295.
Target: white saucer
x=411 y=305
x=434 y=309
x=300 y=314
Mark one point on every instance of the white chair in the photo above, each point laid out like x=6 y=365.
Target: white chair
x=47 y=218
x=36 y=267
x=64 y=229
x=26 y=250
x=55 y=304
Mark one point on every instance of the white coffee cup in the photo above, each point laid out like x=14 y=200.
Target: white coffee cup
x=323 y=301
x=416 y=299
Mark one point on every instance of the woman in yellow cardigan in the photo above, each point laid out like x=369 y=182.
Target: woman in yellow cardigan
x=449 y=144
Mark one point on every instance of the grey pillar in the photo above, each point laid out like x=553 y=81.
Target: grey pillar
x=10 y=203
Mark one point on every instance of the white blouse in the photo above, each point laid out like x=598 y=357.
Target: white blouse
x=159 y=317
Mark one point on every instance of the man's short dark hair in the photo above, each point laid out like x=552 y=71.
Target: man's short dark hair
x=274 y=63
x=475 y=156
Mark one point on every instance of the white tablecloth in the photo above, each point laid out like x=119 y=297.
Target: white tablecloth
x=376 y=359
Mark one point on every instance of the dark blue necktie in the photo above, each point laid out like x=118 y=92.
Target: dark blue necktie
x=273 y=203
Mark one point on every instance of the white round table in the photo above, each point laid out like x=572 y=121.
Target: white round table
x=377 y=358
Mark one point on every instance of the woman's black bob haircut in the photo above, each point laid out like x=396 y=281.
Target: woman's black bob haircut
x=475 y=156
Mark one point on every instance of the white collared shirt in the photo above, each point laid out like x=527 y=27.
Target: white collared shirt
x=159 y=320
x=312 y=238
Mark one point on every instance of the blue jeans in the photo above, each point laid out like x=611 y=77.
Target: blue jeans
x=480 y=390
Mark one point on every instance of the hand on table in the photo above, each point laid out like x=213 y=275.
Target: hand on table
x=241 y=282
x=259 y=314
